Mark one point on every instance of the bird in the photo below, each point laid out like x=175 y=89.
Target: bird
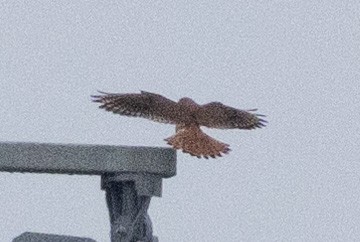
x=186 y=115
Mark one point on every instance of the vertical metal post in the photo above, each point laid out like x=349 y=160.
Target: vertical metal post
x=130 y=176
x=128 y=202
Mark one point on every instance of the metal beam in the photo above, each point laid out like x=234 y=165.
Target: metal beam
x=86 y=159
x=130 y=176
x=32 y=237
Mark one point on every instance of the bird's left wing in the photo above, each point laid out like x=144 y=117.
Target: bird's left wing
x=145 y=104
x=218 y=115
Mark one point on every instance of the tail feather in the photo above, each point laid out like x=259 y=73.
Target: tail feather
x=192 y=140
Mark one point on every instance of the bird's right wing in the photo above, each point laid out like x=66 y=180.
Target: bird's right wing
x=218 y=115
x=145 y=104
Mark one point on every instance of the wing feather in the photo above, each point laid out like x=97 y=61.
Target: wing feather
x=218 y=115
x=145 y=104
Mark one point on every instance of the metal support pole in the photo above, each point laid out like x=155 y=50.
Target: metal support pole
x=128 y=198
x=130 y=176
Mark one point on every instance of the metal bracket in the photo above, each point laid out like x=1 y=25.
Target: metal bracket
x=128 y=198
x=130 y=176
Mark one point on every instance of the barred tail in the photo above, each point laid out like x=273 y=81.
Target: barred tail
x=192 y=140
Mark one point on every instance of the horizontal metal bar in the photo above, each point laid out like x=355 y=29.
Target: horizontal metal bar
x=28 y=237
x=86 y=159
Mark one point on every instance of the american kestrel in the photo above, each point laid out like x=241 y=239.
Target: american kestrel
x=187 y=115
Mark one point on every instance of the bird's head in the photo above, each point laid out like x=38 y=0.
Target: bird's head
x=187 y=101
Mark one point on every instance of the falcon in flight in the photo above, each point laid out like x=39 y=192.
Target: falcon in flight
x=186 y=115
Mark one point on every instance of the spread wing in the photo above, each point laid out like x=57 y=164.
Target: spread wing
x=218 y=115
x=145 y=104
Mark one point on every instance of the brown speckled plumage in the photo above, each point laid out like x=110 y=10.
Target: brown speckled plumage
x=187 y=115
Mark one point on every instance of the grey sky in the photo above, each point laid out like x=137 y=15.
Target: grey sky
x=297 y=61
